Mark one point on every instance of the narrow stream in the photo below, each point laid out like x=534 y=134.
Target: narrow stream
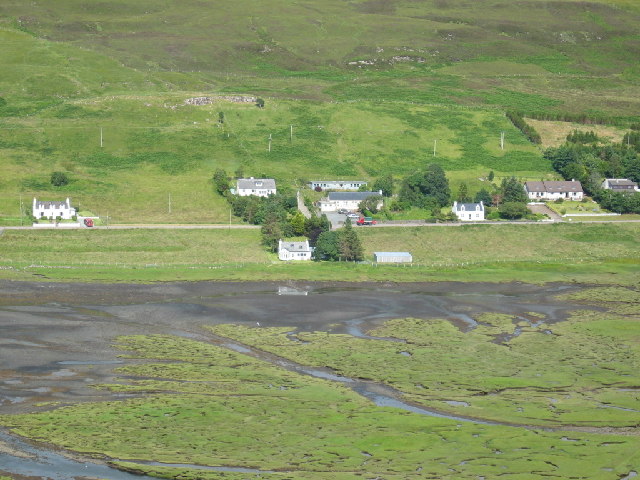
x=32 y=461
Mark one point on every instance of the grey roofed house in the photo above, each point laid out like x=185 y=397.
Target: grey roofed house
x=293 y=250
x=255 y=183
x=350 y=196
x=468 y=207
x=553 y=186
x=553 y=190
x=619 y=184
x=392 y=257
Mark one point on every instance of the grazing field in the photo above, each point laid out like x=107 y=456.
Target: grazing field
x=598 y=253
x=554 y=134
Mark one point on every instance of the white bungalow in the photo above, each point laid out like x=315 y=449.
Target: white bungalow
x=260 y=187
x=294 y=250
x=53 y=210
x=620 y=185
x=337 y=184
x=348 y=200
x=468 y=212
x=554 y=190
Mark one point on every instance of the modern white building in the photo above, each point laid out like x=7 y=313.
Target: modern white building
x=294 y=250
x=346 y=200
x=260 y=187
x=554 y=190
x=337 y=184
x=53 y=210
x=468 y=212
x=392 y=257
x=620 y=185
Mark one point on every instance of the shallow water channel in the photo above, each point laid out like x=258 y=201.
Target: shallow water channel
x=56 y=339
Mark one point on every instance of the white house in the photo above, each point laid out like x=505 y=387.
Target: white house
x=53 y=210
x=620 y=185
x=553 y=190
x=294 y=250
x=260 y=187
x=337 y=184
x=348 y=200
x=392 y=257
x=468 y=212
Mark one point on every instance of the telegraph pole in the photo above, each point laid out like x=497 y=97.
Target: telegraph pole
x=435 y=142
x=291 y=133
x=269 y=142
x=501 y=140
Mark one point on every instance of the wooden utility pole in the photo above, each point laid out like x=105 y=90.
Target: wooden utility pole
x=291 y=133
x=435 y=142
x=501 y=140
x=269 y=142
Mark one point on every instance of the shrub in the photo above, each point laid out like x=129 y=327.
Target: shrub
x=59 y=179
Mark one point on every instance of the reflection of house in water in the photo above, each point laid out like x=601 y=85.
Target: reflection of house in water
x=291 y=291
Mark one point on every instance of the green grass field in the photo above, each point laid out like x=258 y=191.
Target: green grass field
x=588 y=253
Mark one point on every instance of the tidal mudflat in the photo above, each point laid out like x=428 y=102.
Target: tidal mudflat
x=326 y=380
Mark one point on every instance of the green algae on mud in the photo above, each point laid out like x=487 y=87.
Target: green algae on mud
x=199 y=404
x=580 y=372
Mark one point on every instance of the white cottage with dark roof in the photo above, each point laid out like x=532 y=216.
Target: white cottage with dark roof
x=348 y=200
x=53 y=210
x=260 y=187
x=554 y=190
x=294 y=250
x=468 y=212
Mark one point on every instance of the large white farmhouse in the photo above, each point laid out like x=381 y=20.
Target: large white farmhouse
x=260 y=187
x=53 y=210
x=346 y=200
x=468 y=212
x=554 y=190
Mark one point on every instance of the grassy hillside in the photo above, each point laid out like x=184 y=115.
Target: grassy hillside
x=366 y=87
x=536 y=55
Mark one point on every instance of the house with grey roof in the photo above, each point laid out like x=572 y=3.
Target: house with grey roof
x=468 y=212
x=52 y=210
x=346 y=200
x=288 y=250
x=620 y=185
x=260 y=187
x=337 y=184
x=554 y=190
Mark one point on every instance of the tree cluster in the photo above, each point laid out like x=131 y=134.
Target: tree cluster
x=339 y=245
x=578 y=136
x=528 y=131
x=591 y=164
x=426 y=189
